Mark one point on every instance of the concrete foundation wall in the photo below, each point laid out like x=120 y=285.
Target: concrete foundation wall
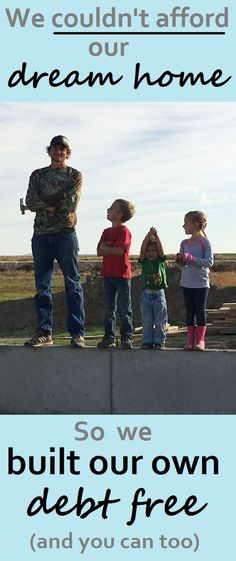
x=59 y=380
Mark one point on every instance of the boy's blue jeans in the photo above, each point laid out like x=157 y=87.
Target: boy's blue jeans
x=62 y=246
x=154 y=316
x=117 y=294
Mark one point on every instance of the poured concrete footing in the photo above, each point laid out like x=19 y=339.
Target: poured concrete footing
x=60 y=380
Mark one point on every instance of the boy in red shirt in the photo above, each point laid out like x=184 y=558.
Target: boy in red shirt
x=114 y=247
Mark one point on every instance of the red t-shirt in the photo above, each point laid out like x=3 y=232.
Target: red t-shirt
x=116 y=265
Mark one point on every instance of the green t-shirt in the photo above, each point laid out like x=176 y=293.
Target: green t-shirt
x=154 y=273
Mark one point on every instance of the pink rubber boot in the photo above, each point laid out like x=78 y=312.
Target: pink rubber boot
x=189 y=346
x=200 y=338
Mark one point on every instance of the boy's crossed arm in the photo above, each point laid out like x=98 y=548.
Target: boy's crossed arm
x=104 y=249
x=116 y=245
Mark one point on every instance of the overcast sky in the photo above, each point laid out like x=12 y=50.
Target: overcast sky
x=167 y=158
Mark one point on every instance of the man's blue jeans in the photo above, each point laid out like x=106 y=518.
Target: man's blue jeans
x=154 y=316
x=117 y=294
x=64 y=248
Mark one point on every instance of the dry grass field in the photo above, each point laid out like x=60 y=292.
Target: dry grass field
x=17 y=283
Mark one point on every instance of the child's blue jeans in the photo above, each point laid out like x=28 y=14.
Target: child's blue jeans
x=154 y=316
x=117 y=294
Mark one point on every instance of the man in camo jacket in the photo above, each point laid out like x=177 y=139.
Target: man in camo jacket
x=53 y=194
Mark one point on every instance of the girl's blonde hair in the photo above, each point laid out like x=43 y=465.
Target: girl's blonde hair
x=199 y=217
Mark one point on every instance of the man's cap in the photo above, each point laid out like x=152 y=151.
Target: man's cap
x=60 y=140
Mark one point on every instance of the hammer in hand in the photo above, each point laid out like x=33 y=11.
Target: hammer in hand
x=23 y=207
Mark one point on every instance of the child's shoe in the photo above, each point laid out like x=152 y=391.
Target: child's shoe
x=200 y=338
x=126 y=344
x=189 y=345
x=77 y=342
x=106 y=343
x=159 y=347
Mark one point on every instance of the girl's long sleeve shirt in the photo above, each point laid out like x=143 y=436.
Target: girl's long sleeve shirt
x=195 y=274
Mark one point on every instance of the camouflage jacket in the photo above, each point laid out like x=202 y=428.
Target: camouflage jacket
x=59 y=188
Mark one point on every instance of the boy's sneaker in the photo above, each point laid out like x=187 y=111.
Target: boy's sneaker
x=147 y=346
x=159 y=346
x=40 y=339
x=126 y=344
x=77 y=342
x=106 y=344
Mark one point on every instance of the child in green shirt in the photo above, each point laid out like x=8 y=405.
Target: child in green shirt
x=153 y=302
